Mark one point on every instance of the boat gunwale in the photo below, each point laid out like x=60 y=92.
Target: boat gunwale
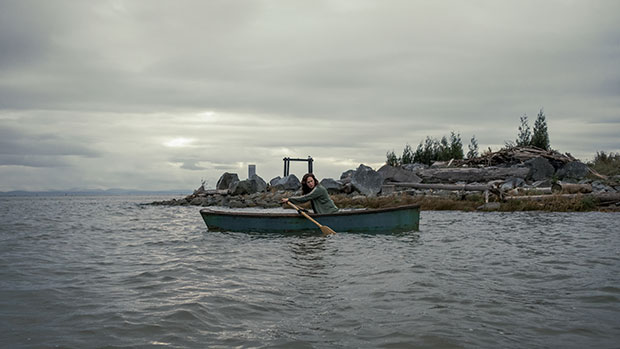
x=336 y=214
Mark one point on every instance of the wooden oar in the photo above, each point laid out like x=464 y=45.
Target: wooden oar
x=325 y=229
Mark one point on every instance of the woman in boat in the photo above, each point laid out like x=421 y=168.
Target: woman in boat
x=315 y=193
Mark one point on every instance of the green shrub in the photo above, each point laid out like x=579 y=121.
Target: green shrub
x=606 y=164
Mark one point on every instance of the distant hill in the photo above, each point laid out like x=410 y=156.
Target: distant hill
x=91 y=192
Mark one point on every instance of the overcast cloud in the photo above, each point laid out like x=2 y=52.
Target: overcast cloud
x=163 y=94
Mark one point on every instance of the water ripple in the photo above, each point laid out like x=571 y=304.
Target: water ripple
x=108 y=272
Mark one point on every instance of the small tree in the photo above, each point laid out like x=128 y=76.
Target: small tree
x=392 y=160
x=443 y=150
x=426 y=152
x=419 y=153
x=408 y=155
x=540 y=137
x=473 y=148
x=456 y=146
x=607 y=164
x=525 y=135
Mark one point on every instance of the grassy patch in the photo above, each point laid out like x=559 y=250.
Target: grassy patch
x=425 y=202
x=606 y=164
x=553 y=204
x=469 y=203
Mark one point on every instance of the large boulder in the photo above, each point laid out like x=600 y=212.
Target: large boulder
x=251 y=185
x=227 y=181
x=290 y=183
x=258 y=183
x=274 y=181
x=398 y=174
x=366 y=180
x=540 y=169
x=346 y=176
x=333 y=186
x=573 y=170
x=415 y=167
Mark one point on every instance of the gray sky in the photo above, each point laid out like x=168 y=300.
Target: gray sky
x=161 y=94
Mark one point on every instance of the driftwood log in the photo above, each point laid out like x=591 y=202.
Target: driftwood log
x=542 y=190
x=570 y=188
x=470 y=174
x=518 y=155
x=454 y=187
x=463 y=187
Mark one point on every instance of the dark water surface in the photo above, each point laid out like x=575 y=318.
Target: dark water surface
x=87 y=272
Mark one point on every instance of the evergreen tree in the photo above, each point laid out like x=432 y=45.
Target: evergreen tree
x=431 y=150
x=392 y=160
x=540 y=137
x=473 y=148
x=427 y=152
x=407 y=157
x=456 y=146
x=419 y=153
x=525 y=135
x=443 y=150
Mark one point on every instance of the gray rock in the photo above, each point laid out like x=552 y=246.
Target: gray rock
x=367 y=181
x=346 y=176
x=241 y=188
x=573 y=170
x=211 y=201
x=333 y=186
x=348 y=188
x=540 y=169
x=227 y=181
x=261 y=185
x=545 y=183
x=274 y=180
x=223 y=201
x=249 y=186
x=598 y=186
x=397 y=174
x=415 y=167
x=196 y=201
x=290 y=182
x=236 y=204
x=512 y=183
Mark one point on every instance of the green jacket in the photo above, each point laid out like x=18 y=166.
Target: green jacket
x=319 y=198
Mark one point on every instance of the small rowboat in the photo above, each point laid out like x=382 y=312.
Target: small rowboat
x=371 y=221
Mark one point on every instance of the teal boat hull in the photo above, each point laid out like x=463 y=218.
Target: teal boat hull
x=371 y=221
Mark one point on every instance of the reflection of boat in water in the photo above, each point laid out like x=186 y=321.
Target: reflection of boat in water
x=373 y=221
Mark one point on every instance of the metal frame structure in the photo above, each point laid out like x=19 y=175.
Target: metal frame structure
x=287 y=164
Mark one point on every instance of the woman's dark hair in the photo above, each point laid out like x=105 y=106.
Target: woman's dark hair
x=304 y=186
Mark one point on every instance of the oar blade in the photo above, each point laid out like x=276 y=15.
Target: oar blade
x=327 y=230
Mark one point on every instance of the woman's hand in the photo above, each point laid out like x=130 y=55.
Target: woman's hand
x=284 y=200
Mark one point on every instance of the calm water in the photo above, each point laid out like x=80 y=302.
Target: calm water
x=88 y=272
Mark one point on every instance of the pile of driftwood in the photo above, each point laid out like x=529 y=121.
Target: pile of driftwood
x=494 y=168
x=516 y=155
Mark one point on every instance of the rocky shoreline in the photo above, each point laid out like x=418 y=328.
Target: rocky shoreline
x=526 y=174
